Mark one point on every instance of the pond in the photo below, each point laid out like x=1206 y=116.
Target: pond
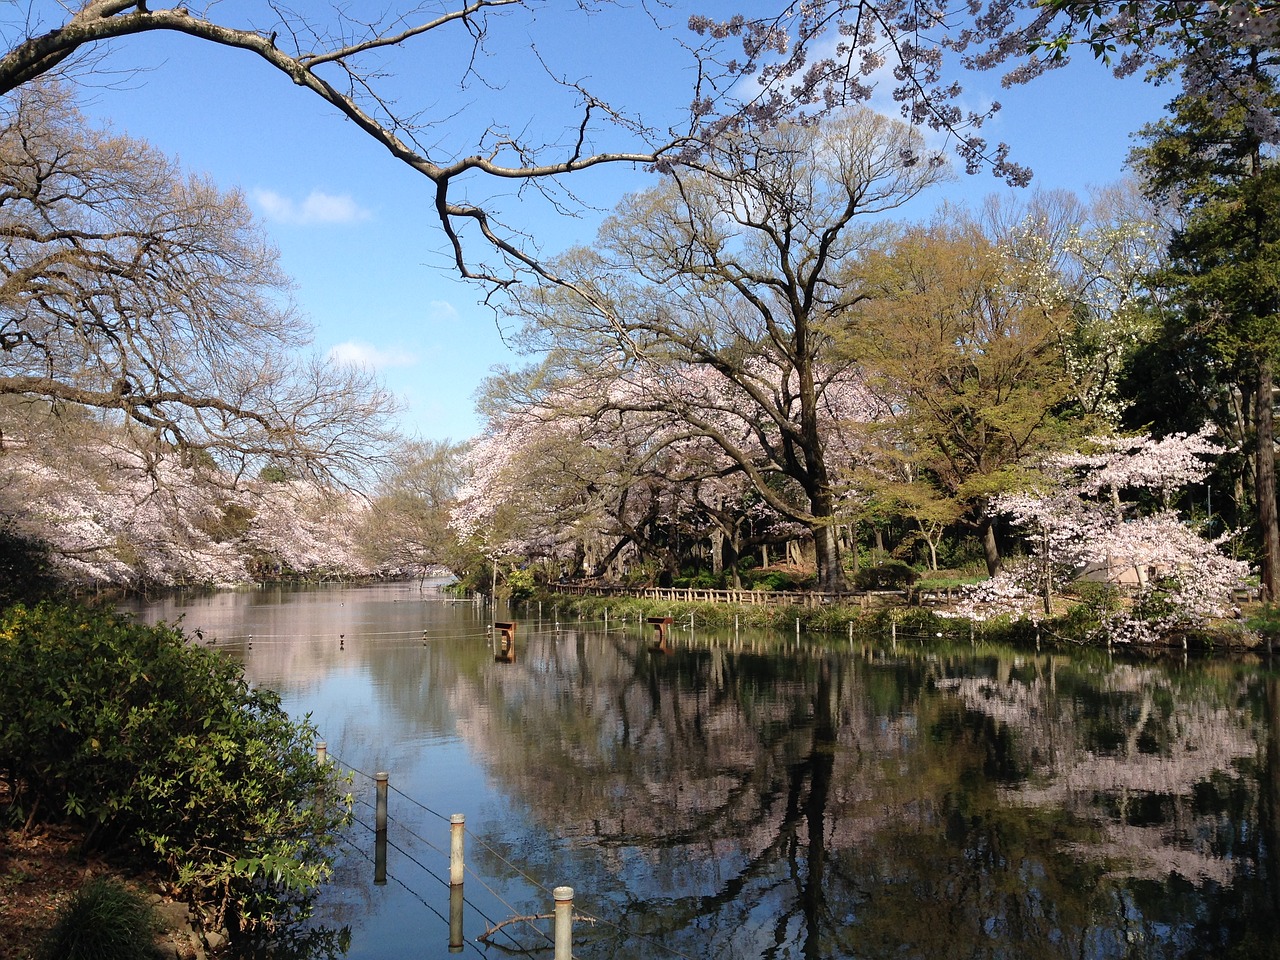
x=761 y=796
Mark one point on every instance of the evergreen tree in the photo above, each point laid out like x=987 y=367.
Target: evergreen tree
x=1223 y=278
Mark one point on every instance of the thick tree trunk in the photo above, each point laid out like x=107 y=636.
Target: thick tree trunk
x=826 y=546
x=1265 y=478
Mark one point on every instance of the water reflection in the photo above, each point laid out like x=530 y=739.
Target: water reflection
x=754 y=797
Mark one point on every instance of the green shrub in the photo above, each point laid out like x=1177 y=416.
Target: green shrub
x=143 y=739
x=520 y=584
x=890 y=575
x=777 y=580
x=104 y=920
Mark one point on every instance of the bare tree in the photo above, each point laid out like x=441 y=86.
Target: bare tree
x=408 y=525
x=130 y=288
x=720 y=292
x=795 y=58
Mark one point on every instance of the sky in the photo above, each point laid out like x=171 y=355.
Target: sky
x=355 y=228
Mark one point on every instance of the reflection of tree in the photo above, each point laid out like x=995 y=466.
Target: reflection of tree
x=737 y=804
x=805 y=803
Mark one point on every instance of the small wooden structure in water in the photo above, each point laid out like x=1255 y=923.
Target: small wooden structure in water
x=660 y=625
x=505 y=636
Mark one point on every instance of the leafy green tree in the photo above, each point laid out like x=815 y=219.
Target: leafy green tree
x=969 y=361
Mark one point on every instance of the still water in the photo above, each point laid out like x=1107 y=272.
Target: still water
x=751 y=796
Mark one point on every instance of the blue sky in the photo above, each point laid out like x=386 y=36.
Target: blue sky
x=355 y=229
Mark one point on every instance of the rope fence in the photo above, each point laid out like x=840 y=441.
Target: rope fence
x=380 y=781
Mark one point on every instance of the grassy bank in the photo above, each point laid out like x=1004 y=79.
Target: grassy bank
x=1071 y=628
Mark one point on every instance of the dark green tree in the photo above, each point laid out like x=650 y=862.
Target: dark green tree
x=1222 y=284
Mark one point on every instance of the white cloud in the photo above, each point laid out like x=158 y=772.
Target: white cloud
x=442 y=310
x=366 y=355
x=317 y=208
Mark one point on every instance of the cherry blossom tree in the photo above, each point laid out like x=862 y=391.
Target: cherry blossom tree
x=577 y=472
x=1088 y=520
x=112 y=515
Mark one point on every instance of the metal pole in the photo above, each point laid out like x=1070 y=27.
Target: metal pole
x=457 y=833
x=564 y=922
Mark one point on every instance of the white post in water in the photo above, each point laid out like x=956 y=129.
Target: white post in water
x=457 y=834
x=322 y=753
x=564 y=922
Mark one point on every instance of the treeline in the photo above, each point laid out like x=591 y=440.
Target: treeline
x=756 y=362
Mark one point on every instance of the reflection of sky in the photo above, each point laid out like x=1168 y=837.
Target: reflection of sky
x=297 y=651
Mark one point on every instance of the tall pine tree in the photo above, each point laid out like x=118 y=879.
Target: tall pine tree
x=1223 y=278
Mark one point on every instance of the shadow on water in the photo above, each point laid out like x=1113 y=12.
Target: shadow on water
x=752 y=796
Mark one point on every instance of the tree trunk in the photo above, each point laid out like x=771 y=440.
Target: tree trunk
x=1265 y=477
x=732 y=553
x=827 y=553
x=990 y=549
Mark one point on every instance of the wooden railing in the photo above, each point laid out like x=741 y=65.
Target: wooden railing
x=786 y=598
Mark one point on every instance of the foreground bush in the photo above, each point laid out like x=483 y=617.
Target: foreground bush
x=144 y=740
x=105 y=920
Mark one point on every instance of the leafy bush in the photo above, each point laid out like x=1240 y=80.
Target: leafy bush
x=141 y=738
x=777 y=580
x=104 y=920
x=702 y=580
x=890 y=575
x=520 y=584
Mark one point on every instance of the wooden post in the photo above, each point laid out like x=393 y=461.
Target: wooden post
x=457 y=836
x=380 y=810
x=322 y=753
x=564 y=923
